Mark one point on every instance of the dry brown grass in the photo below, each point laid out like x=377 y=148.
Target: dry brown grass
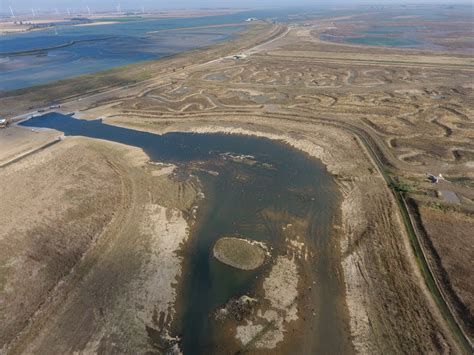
x=451 y=240
x=54 y=206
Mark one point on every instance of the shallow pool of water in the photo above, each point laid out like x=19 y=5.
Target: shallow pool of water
x=256 y=198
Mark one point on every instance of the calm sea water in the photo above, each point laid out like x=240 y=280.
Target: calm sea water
x=68 y=51
x=250 y=200
x=71 y=51
x=405 y=26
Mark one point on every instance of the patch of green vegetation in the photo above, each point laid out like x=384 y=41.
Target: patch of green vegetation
x=400 y=186
x=144 y=74
x=462 y=180
x=386 y=170
x=3 y=276
x=438 y=206
x=444 y=207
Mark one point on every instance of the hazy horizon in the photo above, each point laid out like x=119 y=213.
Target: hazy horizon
x=129 y=5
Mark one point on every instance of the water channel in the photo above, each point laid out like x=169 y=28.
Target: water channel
x=261 y=186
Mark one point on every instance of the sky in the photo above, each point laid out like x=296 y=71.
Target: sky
x=101 y=5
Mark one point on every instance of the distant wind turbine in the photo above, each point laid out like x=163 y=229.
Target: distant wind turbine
x=88 y=10
x=143 y=9
x=68 y=12
x=33 y=12
x=119 y=8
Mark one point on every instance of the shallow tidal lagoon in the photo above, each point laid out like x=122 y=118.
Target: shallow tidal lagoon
x=258 y=189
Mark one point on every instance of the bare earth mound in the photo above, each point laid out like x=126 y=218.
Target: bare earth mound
x=239 y=253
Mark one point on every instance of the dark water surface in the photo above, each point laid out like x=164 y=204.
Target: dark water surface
x=420 y=27
x=254 y=200
x=43 y=56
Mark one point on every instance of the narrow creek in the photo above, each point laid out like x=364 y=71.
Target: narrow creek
x=262 y=188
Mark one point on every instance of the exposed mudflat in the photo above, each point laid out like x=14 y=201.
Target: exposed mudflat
x=267 y=327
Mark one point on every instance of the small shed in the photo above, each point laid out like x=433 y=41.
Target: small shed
x=434 y=179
